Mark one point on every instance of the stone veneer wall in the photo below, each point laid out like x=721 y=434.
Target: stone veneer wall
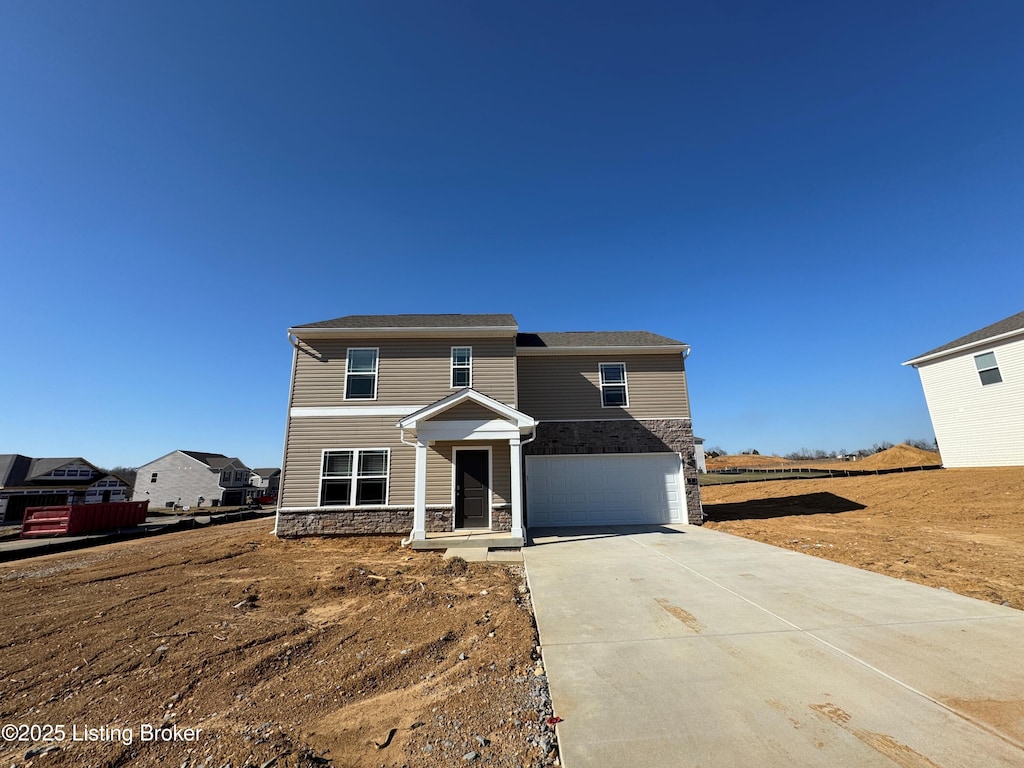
x=501 y=517
x=625 y=436
x=321 y=521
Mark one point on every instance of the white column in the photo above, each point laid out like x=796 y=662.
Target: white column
x=516 y=452
x=419 y=509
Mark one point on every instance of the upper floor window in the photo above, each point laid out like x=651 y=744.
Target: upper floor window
x=462 y=366
x=613 y=385
x=239 y=476
x=353 y=477
x=361 y=374
x=152 y=478
x=225 y=476
x=988 y=370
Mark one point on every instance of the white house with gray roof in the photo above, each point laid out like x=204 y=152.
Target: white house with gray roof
x=974 y=387
x=193 y=479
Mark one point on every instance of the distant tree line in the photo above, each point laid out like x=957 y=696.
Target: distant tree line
x=818 y=454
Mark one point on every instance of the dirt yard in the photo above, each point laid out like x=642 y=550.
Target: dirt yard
x=961 y=529
x=345 y=652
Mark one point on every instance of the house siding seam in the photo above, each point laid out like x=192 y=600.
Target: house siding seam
x=626 y=436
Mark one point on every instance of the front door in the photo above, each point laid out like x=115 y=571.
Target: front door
x=472 y=489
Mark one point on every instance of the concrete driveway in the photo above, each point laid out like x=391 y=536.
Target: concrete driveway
x=681 y=646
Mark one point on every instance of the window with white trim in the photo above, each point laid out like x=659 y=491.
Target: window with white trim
x=462 y=367
x=361 y=374
x=988 y=369
x=354 y=477
x=613 y=385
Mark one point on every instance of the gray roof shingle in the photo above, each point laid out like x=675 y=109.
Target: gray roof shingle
x=416 y=321
x=13 y=468
x=594 y=339
x=1008 y=325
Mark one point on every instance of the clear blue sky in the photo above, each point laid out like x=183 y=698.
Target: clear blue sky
x=807 y=193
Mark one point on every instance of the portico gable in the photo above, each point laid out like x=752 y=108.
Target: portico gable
x=472 y=420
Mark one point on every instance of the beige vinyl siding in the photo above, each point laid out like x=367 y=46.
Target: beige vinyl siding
x=409 y=371
x=308 y=438
x=439 y=471
x=568 y=387
x=468 y=411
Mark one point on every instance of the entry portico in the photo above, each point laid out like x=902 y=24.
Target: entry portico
x=469 y=420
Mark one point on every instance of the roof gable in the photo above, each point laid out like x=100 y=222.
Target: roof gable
x=433 y=410
x=1007 y=327
x=41 y=467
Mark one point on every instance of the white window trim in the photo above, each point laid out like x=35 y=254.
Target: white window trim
x=376 y=372
x=454 y=367
x=354 y=478
x=990 y=368
x=624 y=384
x=490 y=484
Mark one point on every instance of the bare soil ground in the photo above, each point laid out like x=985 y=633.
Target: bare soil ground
x=346 y=652
x=962 y=529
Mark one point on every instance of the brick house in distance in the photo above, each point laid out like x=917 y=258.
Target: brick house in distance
x=429 y=423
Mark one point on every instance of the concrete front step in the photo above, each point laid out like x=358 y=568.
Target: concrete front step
x=484 y=555
x=468 y=541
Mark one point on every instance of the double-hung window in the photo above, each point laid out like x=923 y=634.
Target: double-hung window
x=613 y=385
x=361 y=374
x=354 y=477
x=462 y=367
x=988 y=369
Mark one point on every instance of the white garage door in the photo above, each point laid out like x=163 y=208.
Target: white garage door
x=611 y=489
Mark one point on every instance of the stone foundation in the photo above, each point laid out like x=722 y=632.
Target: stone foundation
x=501 y=517
x=625 y=436
x=322 y=521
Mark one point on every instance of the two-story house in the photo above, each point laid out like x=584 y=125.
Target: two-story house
x=974 y=388
x=187 y=478
x=30 y=482
x=426 y=423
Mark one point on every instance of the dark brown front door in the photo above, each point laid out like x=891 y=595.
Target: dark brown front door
x=472 y=489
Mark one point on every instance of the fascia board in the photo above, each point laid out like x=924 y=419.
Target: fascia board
x=981 y=343
x=364 y=333
x=652 y=350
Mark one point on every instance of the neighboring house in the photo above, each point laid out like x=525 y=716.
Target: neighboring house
x=266 y=481
x=182 y=478
x=974 y=387
x=27 y=482
x=417 y=423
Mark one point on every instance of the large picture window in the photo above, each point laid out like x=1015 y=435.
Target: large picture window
x=354 y=477
x=613 y=385
x=988 y=369
x=361 y=374
x=462 y=367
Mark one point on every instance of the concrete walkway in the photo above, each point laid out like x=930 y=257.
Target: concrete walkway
x=681 y=646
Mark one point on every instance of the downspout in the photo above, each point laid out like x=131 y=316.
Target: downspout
x=293 y=340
